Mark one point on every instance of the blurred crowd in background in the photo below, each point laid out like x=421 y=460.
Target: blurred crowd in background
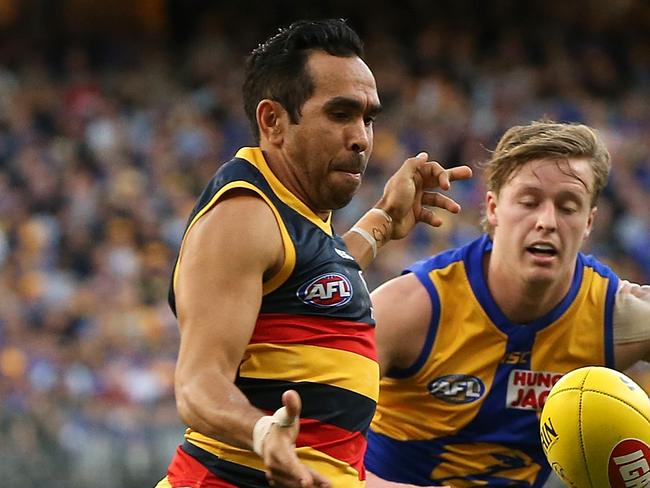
x=113 y=115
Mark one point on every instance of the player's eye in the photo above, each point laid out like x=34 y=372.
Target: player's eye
x=528 y=203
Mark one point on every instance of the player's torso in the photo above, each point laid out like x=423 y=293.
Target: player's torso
x=314 y=334
x=469 y=415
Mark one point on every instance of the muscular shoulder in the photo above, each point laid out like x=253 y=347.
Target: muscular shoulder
x=240 y=228
x=407 y=287
x=402 y=313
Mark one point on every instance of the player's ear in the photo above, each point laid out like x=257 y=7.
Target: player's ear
x=271 y=119
x=491 y=208
x=590 y=222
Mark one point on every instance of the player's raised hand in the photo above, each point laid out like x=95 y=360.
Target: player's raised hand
x=408 y=198
x=284 y=469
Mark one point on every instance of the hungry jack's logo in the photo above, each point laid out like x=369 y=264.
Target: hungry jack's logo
x=528 y=390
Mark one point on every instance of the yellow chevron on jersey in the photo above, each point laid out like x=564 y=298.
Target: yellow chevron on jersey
x=466 y=413
x=255 y=156
x=338 y=472
x=300 y=362
x=477 y=456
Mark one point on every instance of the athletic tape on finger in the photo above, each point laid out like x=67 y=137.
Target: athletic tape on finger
x=263 y=426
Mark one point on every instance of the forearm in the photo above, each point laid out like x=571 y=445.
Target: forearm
x=632 y=323
x=215 y=407
x=368 y=235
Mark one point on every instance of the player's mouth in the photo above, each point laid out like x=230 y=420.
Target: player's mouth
x=352 y=170
x=354 y=174
x=354 y=167
x=542 y=250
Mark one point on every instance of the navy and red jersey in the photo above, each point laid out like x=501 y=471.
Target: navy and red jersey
x=314 y=334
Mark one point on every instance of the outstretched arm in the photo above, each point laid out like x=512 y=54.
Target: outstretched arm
x=408 y=199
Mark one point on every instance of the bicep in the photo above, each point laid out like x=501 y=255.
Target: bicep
x=219 y=283
x=402 y=311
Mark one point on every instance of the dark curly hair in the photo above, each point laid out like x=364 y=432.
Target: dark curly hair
x=276 y=69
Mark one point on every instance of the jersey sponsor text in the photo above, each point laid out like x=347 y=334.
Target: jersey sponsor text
x=528 y=390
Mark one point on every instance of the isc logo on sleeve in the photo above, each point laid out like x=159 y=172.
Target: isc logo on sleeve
x=327 y=290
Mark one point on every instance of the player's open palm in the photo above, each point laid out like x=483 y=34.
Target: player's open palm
x=408 y=195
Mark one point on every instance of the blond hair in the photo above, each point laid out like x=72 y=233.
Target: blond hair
x=546 y=139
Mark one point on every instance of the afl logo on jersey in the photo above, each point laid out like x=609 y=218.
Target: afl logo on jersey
x=457 y=388
x=328 y=290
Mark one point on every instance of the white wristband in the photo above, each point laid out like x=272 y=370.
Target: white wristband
x=384 y=213
x=371 y=240
x=263 y=426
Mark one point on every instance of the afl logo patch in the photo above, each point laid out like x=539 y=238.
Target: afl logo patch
x=328 y=290
x=457 y=388
x=628 y=464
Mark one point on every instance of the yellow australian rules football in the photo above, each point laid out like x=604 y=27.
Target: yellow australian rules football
x=595 y=430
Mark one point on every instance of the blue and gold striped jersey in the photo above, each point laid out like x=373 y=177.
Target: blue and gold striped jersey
x=466 y=413
x=314 y=334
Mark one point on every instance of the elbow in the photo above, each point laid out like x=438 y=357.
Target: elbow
x=184 y=404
